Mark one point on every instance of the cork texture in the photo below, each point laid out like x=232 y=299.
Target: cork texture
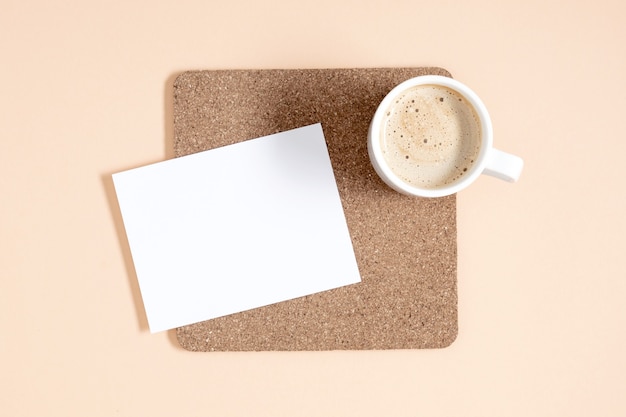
x=405 y=246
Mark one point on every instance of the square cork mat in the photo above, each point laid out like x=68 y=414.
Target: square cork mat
x=405 y=246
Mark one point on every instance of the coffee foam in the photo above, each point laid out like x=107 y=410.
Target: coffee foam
x=431 y=136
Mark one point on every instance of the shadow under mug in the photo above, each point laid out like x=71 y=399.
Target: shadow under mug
x=490 y=161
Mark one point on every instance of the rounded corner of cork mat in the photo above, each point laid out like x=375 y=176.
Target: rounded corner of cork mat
x=405 y=247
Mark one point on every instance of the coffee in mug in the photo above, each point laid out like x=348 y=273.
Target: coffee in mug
x=431 y=136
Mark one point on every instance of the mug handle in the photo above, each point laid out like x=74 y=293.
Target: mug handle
x=504 y=166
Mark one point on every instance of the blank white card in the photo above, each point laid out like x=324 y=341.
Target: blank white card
x=236 y=228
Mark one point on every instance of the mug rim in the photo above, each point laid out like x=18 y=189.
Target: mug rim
x=379 y=162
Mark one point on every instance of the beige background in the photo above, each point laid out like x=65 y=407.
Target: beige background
x=86 y=91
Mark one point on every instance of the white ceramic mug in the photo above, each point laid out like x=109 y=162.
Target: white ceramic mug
x=488 y=161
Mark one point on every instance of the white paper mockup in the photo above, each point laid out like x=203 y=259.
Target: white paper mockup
x=236 y=228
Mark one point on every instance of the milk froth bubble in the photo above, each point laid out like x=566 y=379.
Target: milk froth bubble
x=431 y=136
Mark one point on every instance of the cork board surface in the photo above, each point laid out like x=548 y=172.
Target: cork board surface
x=405 y=246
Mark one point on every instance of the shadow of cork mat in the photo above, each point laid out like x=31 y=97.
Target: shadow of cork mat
x=405 y=246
